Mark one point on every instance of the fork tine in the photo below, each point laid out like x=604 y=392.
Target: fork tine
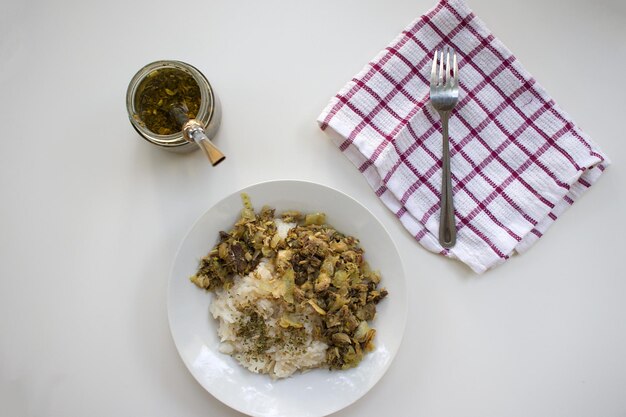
x=441 y=69
x=433 y=73
x=448 y=77
x=456 y=69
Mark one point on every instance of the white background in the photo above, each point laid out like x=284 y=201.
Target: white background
x=91 y=215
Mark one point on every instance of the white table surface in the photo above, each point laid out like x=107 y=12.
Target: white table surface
x=91 y=215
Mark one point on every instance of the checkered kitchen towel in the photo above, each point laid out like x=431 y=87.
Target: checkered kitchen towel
x=517 y=160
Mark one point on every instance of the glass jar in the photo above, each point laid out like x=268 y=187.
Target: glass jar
x=209 y=112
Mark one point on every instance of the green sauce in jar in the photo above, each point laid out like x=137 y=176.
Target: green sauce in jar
x=159 y=91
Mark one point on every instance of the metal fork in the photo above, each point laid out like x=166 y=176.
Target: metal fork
x=444 y=94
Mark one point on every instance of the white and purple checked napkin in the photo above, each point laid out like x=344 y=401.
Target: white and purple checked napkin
x=517 y=160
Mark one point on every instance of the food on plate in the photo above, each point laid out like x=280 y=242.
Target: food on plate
x=291 y=293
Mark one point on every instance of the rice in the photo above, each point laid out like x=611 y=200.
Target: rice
x=257 y=330
x=283 y=228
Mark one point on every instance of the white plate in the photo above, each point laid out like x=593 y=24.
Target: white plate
x=315 y=393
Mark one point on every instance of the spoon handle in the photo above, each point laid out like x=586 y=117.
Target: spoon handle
x=194 y=132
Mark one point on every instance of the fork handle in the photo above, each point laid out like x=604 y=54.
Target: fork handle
x=447 y=226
